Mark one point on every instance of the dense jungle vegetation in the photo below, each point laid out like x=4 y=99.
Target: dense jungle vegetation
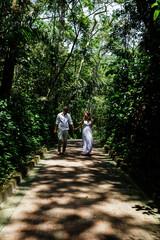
x=103 y=56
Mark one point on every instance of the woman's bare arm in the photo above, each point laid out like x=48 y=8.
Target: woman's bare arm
x=92 y=127
x=80 y=125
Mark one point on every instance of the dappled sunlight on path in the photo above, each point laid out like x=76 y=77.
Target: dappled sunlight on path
x=74 y=197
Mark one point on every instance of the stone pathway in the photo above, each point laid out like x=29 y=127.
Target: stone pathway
x=74 y=197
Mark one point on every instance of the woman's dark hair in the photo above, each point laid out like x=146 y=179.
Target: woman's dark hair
x=89 y=116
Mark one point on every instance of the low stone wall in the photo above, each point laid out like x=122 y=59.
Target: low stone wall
x=119 y=161
x=10 y=187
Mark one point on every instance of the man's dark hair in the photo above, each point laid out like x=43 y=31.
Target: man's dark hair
x=65 y=108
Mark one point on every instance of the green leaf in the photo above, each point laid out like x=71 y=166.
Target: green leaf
x=156 y=14
x=154 y=4
x=27 y=34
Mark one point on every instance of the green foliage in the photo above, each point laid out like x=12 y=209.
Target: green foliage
x=157 y=11
x=80 y=55
x=24 y=129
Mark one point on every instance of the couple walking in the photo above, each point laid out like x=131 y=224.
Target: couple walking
x=62 y=123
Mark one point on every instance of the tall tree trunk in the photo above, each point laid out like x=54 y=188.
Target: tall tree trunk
x=63 y=66
x=8 y=73
x=90 y=35
x=85 y=49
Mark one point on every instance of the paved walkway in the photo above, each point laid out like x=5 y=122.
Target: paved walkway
x=78 y=198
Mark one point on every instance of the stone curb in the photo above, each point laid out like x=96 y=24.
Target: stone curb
x=11 y=185
x=118 y=160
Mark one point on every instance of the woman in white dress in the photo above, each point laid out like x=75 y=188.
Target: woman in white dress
x=87 y=134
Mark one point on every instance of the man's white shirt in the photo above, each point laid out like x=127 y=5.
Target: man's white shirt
x=63 y=121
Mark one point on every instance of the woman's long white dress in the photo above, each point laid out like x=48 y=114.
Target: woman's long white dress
x=87 y=137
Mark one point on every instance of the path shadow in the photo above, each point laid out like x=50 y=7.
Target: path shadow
x=80 y=198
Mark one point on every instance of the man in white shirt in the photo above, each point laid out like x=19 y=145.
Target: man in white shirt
x=62 y=122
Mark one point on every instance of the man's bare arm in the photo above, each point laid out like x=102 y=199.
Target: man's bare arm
x=55 y=129
x=73 y=127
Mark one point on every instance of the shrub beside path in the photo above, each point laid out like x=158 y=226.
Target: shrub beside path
x=74 y=197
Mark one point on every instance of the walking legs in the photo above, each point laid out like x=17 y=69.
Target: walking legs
x=62 y=138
